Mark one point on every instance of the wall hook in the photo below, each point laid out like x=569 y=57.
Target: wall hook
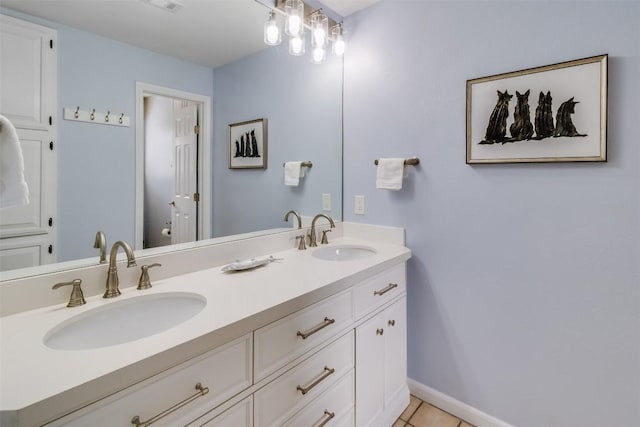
x=120 y=119
x=93 y=114
x=106 y=118
x=77 y=113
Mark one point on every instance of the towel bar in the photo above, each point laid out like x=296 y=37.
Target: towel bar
x=413 y=161
x=303 y=164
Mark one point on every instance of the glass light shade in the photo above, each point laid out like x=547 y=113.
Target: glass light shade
x=318 y=55
x=294 y=21
x=272 y=33
x=319 y=29
x=338 y=44
x=297 y=45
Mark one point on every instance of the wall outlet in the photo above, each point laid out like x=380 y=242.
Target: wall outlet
x=326 y=201
x=358 y=208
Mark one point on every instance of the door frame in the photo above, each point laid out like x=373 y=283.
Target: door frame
x=204 y=156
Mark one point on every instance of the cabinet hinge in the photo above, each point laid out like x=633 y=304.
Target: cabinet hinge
x=196 y=129
x=50 y=249
x=196 y=197
x=51 y=145
x=50 y=222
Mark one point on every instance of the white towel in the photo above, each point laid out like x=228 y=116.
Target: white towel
x=390 y=173
x=13 y=188
x=293 y=171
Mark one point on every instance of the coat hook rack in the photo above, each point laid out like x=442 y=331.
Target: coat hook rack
x=93 y=116
x=413 y=161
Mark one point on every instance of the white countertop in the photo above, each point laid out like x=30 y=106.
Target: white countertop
x=35 y=375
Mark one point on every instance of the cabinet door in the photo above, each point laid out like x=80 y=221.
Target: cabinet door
x=395 y=319
x=28 y=72
x=370 y=364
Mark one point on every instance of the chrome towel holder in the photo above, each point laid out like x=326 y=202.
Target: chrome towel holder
x=412 y=161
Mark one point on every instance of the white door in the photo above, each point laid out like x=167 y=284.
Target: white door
x=185 y=161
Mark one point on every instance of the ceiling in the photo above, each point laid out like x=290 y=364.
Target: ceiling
x=207 y=32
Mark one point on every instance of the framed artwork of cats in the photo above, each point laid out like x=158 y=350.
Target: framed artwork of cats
x=553 y=113
x=248 y=145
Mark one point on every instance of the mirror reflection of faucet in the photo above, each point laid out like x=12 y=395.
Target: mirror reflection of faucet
x=296 y=214
x=101 y=243
x=112 y=276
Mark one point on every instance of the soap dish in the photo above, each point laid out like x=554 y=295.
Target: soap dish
x=248 y=264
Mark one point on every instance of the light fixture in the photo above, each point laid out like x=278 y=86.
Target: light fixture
x=297 y=44
x=319 y=24
x=337 y=40
x=322 y=30
x=294 y=21
x=168 y=5
x=272 y=33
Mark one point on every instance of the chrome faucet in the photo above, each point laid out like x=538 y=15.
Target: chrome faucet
x=112 y=275
x=101 y=243
x=297 y=215
x=312 y=233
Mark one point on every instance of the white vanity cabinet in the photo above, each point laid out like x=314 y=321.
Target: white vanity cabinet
x=28 y=91
x=381 y=355
x=340 y=361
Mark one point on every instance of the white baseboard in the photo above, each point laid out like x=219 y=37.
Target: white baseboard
x=453 y=406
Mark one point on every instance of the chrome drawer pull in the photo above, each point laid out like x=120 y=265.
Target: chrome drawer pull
x=201 y=392
x=321 y=377
x=326 y=322
x=385 y=290
x=325 y=418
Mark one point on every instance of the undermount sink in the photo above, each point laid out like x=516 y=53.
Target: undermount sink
x=124 y=321
x=343 y=253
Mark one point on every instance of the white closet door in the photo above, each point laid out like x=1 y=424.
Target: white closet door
x=26 y=57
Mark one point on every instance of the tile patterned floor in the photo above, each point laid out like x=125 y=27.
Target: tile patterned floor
x=422 y=414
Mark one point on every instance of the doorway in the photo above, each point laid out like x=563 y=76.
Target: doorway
x=173 y=166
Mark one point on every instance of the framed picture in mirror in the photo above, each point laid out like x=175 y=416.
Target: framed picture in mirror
x=554 y=113
x=248 y=144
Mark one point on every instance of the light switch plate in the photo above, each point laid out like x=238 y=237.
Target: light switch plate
x=326 y=201
x=358 y=208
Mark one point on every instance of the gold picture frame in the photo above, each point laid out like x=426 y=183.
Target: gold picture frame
x=567 y=124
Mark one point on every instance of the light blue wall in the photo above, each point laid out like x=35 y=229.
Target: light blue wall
x=523 y=289
x=96 y=163
x=303 y=105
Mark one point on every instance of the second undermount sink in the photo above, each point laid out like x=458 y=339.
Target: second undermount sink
x=343 y=253
x=124 y=321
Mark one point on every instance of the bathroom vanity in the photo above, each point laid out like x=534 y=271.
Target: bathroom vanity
x=316 y=337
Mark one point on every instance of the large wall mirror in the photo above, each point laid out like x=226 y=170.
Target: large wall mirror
x=301 y=102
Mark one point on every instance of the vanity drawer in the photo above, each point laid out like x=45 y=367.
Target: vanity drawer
x=224 y=371
x=283 y=397
x=239 y=415
x=378 y=290
x=281 y=342
x=333 y=408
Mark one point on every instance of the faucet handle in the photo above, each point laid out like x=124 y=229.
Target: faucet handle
x=145 y=282
x=324 y=239
x=302 y=245
x=77 y=297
